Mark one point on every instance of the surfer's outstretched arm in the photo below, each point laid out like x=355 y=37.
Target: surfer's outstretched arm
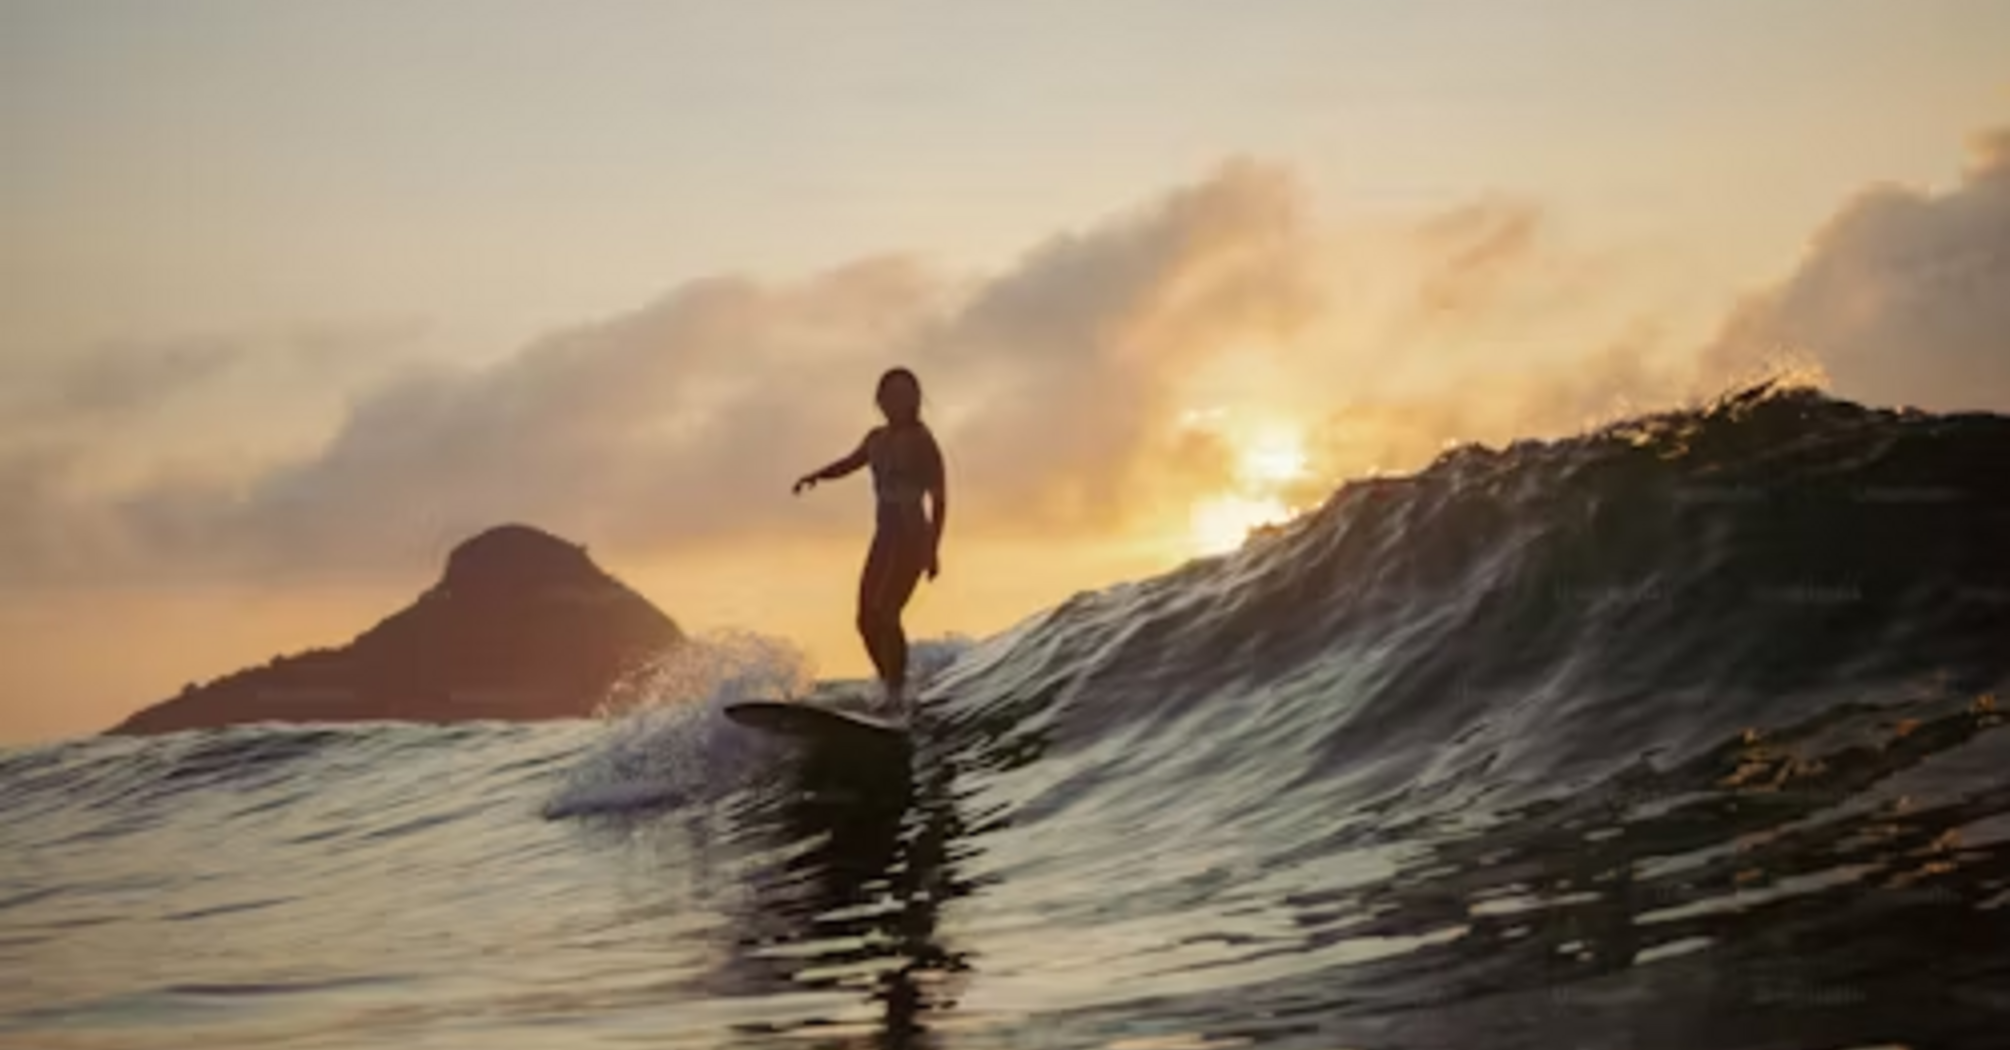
x=835 y=469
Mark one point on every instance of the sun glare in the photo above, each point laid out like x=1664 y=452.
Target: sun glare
x=1267 y=459
x=1221 y=524
x=1273 y=458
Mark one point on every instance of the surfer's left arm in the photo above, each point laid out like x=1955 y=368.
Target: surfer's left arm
x=938 y=499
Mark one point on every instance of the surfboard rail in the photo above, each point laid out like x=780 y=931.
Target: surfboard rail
x=818 y=722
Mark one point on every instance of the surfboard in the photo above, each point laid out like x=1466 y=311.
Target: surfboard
x=818 y=722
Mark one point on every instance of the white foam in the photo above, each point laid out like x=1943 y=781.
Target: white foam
x=668 y=742
x=928 y=658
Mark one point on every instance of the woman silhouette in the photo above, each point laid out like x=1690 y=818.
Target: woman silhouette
x=906 y=465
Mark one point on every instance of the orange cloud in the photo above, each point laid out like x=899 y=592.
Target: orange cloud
x=680 y=424
x=1063 y=386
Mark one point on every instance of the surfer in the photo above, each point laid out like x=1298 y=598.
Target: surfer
x=906 y=465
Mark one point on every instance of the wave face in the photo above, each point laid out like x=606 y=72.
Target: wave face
x=1681 y=733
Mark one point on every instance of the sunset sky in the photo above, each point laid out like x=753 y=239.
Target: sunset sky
x=293 y=296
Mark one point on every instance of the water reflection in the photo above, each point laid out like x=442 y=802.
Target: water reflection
x=865 y=844
x=1825 y=879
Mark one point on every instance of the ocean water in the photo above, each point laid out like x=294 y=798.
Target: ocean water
x=1684 y=733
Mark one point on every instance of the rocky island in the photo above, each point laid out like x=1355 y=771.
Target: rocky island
x=522 y=625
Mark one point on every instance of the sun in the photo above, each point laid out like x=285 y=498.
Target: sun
x=1273 y=456
x=1268 y=458
x=1221 y=523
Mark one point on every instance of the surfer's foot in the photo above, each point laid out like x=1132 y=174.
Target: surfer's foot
x=892 y=698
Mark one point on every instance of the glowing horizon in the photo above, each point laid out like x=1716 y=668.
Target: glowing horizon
x=296 y=296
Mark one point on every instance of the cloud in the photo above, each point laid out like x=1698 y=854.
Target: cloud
x=1477 y=247
x=1903 y=297
x=682 y=423
x=130 y=380
x=110 y=382
x=1080 y=353
x=1065 y=386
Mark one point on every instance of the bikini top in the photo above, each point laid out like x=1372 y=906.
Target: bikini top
x=904 y=464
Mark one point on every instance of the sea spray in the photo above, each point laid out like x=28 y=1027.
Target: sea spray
x=667 y=740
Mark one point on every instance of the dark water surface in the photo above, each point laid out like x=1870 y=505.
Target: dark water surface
x=1681 y=734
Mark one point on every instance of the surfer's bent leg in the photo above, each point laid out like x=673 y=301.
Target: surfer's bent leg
x=871 y=584
x=902 y=575
x=892 y=570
